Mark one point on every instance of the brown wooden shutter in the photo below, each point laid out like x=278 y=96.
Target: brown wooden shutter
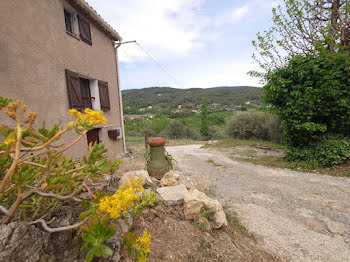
x=84 y=29
x=74 y=93
x=104 y=95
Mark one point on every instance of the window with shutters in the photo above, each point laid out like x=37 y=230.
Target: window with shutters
x=87 y=93
x=77 y=26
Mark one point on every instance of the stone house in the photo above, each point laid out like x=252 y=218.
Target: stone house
x=60 y=54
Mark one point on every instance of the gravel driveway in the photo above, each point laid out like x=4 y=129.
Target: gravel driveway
x=299 y=216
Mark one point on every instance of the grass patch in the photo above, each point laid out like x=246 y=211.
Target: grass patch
x=139 y=140
x=275 y=162
x=233 y=142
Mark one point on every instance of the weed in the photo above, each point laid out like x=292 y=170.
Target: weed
x=206 y=212
x=203 y=244
x=210 y=191
x=203 y=227
x=162 y=256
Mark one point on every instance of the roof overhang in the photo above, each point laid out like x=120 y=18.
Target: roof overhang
x=89 y=12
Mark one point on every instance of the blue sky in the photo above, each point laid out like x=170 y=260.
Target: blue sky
x=201 y=43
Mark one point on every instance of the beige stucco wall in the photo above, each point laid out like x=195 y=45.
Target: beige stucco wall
x=35 y=50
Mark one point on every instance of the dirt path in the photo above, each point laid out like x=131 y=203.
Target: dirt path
x=299 y=216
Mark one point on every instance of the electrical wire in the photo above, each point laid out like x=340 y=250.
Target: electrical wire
x=159 y=64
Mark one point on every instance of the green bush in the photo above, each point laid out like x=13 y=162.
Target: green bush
x=257 y=125
x=311 y=95
x=330 y=150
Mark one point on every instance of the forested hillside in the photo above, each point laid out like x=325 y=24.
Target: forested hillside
x=153 y=99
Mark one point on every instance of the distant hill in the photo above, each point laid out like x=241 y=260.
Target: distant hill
x=153 y=99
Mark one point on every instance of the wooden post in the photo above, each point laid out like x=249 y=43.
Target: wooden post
x=146 y=139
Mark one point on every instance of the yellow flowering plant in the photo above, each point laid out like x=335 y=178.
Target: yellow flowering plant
x=36 y=176
x=138 y=247
x=126 y=201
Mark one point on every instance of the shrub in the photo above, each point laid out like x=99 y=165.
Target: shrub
x=258 y=125
x=330 y=150
x=311 y=95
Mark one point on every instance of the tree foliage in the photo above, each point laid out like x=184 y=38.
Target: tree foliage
x=303 y=27
x=312 y=96
x=165 y=100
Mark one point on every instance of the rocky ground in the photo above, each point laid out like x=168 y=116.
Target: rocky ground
x=178 y=234
x=298 y=216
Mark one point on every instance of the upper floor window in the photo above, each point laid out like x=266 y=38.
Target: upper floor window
x=77 y=25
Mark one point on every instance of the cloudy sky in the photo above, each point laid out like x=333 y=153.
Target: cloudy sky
x=199 y=43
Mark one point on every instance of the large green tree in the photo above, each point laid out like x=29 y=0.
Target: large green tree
x=303 y=27
x=311 y=94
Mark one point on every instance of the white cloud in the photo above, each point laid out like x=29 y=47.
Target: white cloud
x=226 y=75
x=232 y=17
x=168 y=29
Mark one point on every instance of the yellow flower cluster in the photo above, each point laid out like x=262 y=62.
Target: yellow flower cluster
x=75 y=113
x=9 y=141
x=122 y=200
x=118 y=203
x=91 y=116
x=94 y=117
x=135 y=184
x=143 y=242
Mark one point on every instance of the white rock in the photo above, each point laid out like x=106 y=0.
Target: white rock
x=136 y=174
x=220 y=219
x=194 y=202
x=169 y=179
x=173 y=195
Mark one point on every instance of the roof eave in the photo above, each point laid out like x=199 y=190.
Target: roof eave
x=97 y=19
